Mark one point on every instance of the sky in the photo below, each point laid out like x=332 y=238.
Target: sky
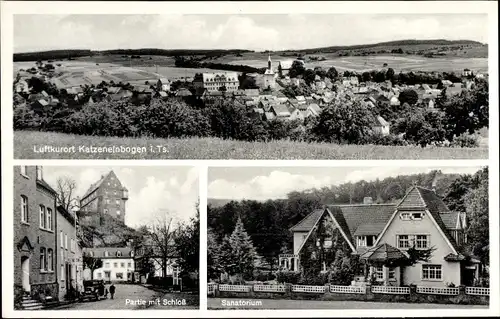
x=154 y=191
x=230 y=31
x=262 y=183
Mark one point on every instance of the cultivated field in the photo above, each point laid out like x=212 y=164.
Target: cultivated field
x=214 y=148
x=366 y=63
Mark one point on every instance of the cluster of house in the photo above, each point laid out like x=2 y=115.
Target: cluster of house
x=381 y=234
x=48 y=255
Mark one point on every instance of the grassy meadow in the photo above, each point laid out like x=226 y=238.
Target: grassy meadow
x=214 y=148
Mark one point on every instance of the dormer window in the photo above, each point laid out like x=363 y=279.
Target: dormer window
x=366 y=241
x=417 y=216
x=131 y=254
x=118 y=254
x=411 y=215
x=405 y=216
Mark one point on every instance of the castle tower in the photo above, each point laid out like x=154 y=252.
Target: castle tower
x=107 y=196
x=269 y=76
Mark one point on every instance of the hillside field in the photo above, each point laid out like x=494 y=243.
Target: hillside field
x=399 y=63
x=214 y=148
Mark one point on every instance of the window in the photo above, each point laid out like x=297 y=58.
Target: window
x=432 y=272
x=122 y=265
x=63 y=273
x=392 y=273
x=106 y=265
x=370 y=240
x=418 y=241
x=417 y=216
x=361 y=241
x=72 y=245
x=119 y=253
x=49 y=219
x=43 y=260
x=50 y=260
x=24 y=209
x=62 y=239
x=405 y=216
x=119 y=275
x=43 y=218
x=422 y=242
x=129 y=265
x=115 y=265
x=403 y=241
x=379 y=272
x=66 y=241
x=24 y=170
x=99 y=275
x=39 y=172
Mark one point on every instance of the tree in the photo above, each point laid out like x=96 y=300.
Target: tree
x=309 y=76
x=344 y=121
x=389 y=75
x=296 y=69
x=421 y=126
x=66 y=187
x=163 y=236
x=467 y=112
x=187 y=242
x=332 y=73
x=476 y=205
x=214 y=262
x=366 y=76
x=238 y=252
x=408 y=96
x=91 y=263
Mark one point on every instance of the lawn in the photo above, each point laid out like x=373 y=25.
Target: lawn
x=25 y=143
x=261 y=304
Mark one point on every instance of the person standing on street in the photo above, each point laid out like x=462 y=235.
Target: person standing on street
x=112 y=290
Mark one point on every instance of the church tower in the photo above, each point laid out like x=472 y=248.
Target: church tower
x=269 y=76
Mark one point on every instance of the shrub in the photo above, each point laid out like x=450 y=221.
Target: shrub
x=465 y=140
x=263 y=276
x=288 y=277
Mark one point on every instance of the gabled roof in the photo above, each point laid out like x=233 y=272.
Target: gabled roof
x=381 y=121
x=281 y=110
x=450 y=219
x=97 y=184
x=420 y=198
x=44 y=184
x=307 y=222
x=99 y=252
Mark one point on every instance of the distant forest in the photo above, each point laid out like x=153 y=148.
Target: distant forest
x=68 y=54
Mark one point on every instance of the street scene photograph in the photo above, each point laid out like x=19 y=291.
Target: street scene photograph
x=104 y=238
x=382 y=237
x=251 y=86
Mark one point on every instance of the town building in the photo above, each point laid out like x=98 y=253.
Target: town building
x=69 y=258
x=419 y=221
x=35 y=234
x=117 y=264
x=149 y=261
x=107 y=196
x=269 y=76
x=219 y=81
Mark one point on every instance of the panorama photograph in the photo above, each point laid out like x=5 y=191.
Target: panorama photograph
x=106 y=238
x=348 y=238
x=254 y=86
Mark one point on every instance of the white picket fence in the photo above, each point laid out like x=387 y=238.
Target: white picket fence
x=478 y=291
x=211 y=289
x=312 y=289
x=438 y=290
x=348 y=289
x=235 y=288
x=269 y=288
x=391 y=290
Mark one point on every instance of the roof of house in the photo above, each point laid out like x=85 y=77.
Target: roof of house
x=422 y=198
x=183 y=92
x=383 y=253
x=252 y=92
x=307 y=222
x=45 y=185
x=269 y=115
x=285 y=65
x=381 y=121
x=114 y=89
x=281 y=110
x=315 y=108
x=96 y=185
x=126 y=252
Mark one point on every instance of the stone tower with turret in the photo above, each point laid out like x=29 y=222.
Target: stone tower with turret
x=269 y=76
x=107 y=196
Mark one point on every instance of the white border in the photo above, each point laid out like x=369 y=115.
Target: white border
x=7 y=10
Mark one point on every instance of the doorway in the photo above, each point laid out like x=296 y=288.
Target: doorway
x=25 y=267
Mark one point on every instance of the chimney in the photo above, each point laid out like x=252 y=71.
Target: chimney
x=367 y=200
